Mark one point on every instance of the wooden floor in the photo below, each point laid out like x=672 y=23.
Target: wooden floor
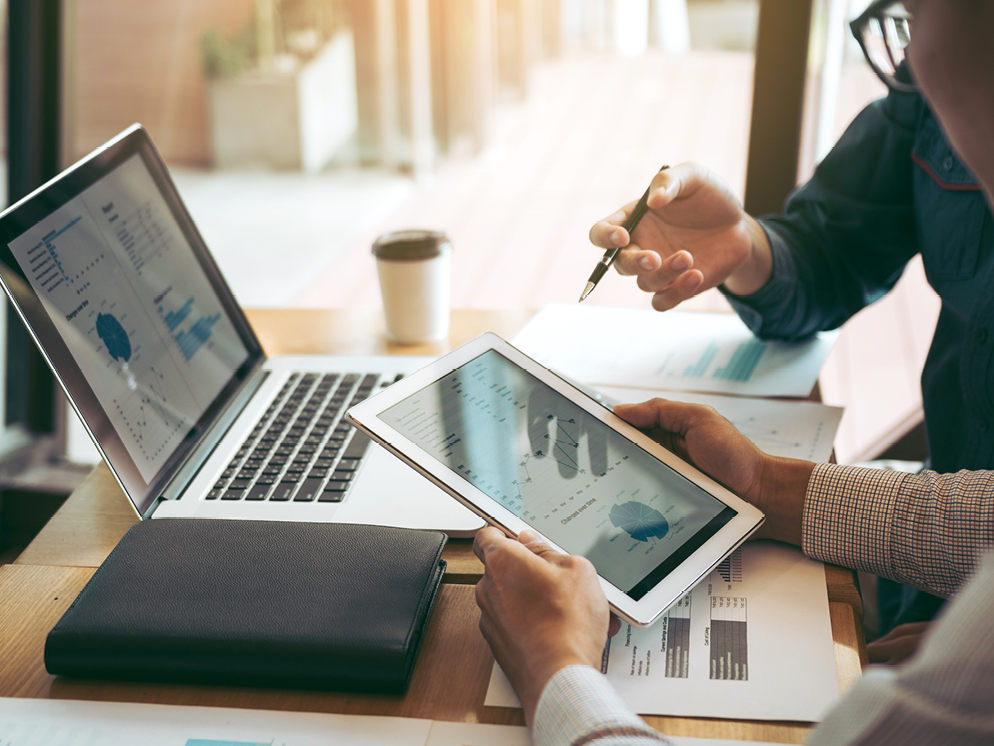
x=590 y=138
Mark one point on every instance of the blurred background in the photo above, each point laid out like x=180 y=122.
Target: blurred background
x=511 y=124
x=298 y=130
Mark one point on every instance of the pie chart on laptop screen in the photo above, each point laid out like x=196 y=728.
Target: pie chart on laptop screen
x=114 y=336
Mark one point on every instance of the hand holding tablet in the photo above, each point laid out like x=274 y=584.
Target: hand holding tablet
x=523 y=448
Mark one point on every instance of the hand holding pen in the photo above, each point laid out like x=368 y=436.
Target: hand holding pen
x=694 y=236
x=611 y=254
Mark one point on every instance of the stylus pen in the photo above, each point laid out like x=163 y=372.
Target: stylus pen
x=611 y=254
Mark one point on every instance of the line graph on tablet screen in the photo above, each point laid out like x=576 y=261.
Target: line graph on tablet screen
x=528 y=448
x=555 y=465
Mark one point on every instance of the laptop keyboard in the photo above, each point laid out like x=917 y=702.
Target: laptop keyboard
x=302 y=450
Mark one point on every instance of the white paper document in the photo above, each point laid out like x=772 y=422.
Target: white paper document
x=752 y=641
x=676 y=351
x=793 y=429
x=53 y=722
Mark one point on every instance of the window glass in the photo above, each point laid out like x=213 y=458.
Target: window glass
x=839 y=84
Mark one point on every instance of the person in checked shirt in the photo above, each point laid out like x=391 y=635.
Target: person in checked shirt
x=544 y=614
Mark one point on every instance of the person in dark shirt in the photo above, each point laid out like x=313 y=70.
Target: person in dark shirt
x=544 y=613
x=891 y=188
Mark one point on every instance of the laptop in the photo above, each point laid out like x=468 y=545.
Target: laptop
x=107 y=270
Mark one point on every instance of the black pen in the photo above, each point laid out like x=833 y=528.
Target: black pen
x=609 y=256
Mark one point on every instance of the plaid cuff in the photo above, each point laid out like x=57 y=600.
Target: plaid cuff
x=926 y=530
x=578 y=706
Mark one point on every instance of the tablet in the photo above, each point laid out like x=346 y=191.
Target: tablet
x=523 y=448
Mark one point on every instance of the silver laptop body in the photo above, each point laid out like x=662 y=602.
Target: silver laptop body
x=107 y=270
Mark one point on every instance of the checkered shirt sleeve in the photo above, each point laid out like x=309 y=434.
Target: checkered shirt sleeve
x=927 y=530
x=578 y=706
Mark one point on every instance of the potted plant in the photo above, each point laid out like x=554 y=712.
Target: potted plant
x=282 y=92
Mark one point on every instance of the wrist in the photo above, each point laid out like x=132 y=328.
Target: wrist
x=543 y=670
x=783 y=487
x=750 y=276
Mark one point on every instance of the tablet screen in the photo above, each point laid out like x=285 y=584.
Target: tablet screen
x=561 y=470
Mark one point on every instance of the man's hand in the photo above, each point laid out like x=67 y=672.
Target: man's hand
x=542 y=610
x=898 y=645
x=703 y=437
x=695 y=236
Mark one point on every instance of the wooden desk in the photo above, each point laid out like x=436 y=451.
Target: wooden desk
x=452 y=673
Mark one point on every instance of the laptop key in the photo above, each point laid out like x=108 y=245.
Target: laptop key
x=331 y=497
x=283 y=492
x=258 y=492
x=336 y=485
x=214 y=494
x=357 y=446
x=232 y=494
x=309 y=489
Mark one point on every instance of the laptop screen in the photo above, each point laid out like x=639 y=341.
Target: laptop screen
x=130 y=292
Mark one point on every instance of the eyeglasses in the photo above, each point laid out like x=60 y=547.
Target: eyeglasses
x=883 y=30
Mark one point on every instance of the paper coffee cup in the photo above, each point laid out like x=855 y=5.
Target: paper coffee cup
x=415 y=270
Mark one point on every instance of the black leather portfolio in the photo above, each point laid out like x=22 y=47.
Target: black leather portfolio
x=303 y=605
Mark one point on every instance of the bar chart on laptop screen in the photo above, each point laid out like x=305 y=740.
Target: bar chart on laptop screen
x=190 y=331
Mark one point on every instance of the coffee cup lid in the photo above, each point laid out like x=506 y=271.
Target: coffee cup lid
x=411 y=245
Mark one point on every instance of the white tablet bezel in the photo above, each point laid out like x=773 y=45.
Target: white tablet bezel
x=365 y=416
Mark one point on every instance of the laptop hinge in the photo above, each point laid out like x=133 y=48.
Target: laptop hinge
x=175 y=487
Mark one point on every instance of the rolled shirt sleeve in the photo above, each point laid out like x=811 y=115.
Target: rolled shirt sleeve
x=943 y=697
x=927 y=530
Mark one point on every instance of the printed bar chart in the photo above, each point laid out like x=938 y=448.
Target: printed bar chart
x=730 y=570
x=676 y=639
x=729 y=648
x=743 y=361
x=698 y=369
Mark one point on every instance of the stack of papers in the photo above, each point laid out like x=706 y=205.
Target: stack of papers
x=676 y=351
x=753 y=640
x=628 y=355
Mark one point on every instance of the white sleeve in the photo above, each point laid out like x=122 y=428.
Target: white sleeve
x=578 y=706
x=944 y=696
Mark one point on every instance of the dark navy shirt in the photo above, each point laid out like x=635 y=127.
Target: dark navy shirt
x=892 y=188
